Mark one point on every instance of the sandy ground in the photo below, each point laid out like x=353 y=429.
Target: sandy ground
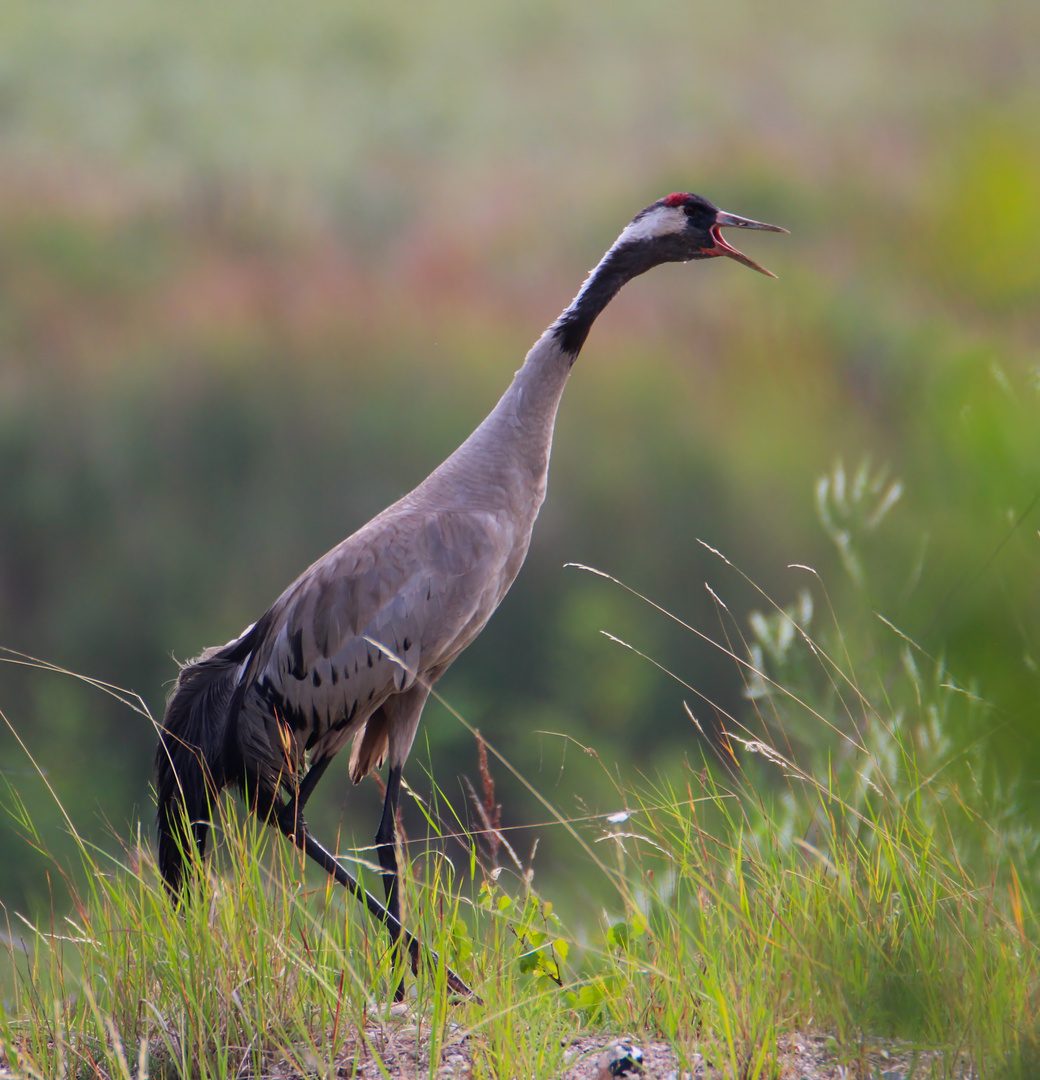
x=396 y=1050
x=389 y=1049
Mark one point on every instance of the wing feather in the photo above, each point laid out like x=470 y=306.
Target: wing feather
x=391 y=605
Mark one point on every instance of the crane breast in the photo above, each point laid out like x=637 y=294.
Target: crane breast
x=391 y=604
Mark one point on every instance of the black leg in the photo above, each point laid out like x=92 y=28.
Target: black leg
x=386 y=847
x=291 y=814
x=386 y=841
x=294 y=828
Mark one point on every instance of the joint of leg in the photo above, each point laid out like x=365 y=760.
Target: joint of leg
x=291 y=823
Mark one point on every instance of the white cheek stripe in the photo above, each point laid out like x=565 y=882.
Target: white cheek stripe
x=659 y=222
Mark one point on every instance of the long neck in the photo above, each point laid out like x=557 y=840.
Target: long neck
x=621 y=263
x=507 y=457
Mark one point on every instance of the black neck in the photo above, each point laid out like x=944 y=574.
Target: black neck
x=616 y=269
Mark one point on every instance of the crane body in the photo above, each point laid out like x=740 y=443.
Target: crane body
x=350 y=650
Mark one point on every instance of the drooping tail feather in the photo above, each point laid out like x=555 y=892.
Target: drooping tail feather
x=192 y=762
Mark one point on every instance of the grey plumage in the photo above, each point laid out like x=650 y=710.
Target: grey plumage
x=349 y=652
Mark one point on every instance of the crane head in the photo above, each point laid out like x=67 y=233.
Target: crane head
x=682 y=226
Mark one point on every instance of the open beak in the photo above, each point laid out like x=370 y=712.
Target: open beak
x=721 y=247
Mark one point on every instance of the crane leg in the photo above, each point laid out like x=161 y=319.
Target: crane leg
x=386 y=840
x=291 y=814
x=386 y=847
x=293 y=826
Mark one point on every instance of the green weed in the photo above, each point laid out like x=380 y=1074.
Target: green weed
x=844 y=873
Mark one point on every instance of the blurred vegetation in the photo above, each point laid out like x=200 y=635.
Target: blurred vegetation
x=262 y=268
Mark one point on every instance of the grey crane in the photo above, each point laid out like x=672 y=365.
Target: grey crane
x=350 y=651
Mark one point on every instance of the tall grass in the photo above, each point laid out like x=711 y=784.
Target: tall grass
x=841 y=872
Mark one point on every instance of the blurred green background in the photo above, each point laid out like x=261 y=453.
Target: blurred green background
x=262 y=266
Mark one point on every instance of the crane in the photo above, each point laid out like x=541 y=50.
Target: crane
x=351 y=649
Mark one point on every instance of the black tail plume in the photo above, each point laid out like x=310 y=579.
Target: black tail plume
x=192 y=762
